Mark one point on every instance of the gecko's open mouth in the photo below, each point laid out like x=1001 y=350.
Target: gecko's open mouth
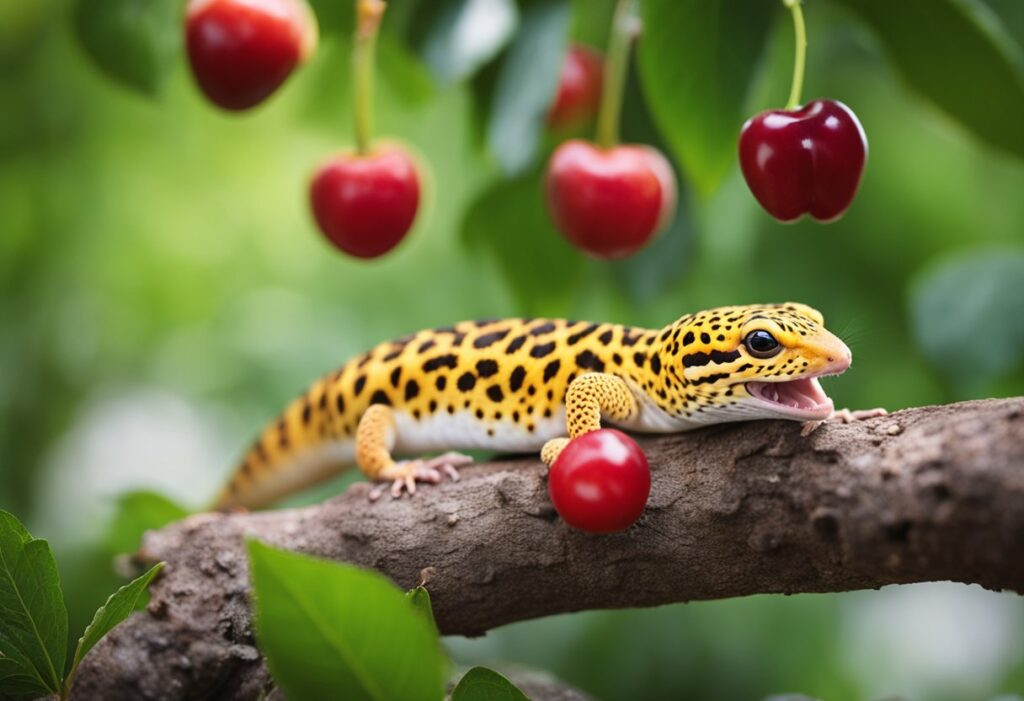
x=801 y=399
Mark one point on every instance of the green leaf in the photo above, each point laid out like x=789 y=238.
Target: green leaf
x=482 y=684
x=118 y=607
x=697 y=61
x=33 y=618
x=526 y=84
x=419 y=597
x=18 y=682
x=460 y=36
x=136 y=513
x=964 y=300
x=956 y=54
x=510 y=221
x=135 y=42
x=335 y=631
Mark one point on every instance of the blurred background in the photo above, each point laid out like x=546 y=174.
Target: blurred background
x=164 y=291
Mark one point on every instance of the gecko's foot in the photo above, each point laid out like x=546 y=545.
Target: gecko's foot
x=844 y=416
x=552 y=449
x=404 y=475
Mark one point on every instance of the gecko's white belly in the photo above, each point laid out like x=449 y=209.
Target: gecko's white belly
x=464 y=431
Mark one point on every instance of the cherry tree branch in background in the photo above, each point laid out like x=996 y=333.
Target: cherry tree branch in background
x=934 y=493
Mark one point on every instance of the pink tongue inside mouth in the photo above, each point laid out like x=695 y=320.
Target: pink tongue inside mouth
x=804 y=393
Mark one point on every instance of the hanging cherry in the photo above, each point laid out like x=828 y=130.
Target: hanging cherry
x=242 y=50
x=803 y=160
x=365 y=202
x=579 y=88
x=610 y=199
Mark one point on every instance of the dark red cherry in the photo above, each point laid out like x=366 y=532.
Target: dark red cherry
x=804 y=161
x=579 y=88
x=242 y=50
x=609 y=202
x=600 y=482
x=365 y=204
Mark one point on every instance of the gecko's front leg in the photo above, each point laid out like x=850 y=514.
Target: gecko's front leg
x=843 y=416
x=588 y=398
x=375 y=439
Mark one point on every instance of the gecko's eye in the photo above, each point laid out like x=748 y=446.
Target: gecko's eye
x=762 y=344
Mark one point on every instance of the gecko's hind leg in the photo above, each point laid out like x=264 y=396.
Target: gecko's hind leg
x=375 y=439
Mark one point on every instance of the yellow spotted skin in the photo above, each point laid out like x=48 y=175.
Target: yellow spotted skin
x=516 y=384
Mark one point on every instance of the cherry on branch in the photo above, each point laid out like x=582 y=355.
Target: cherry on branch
x=600 y=482
x=242 y=50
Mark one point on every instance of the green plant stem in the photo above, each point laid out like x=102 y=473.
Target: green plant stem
x=623 y=27
x=368 y=16
x=801 y=53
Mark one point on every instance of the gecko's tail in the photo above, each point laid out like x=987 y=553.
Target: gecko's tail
x=297 y=451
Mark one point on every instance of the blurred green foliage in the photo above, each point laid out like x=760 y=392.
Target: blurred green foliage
x=160 y=273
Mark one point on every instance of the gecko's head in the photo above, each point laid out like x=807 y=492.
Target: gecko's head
x=759 y=361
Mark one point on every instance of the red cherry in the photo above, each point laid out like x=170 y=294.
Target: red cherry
x=600 y=482
x=242 y=50
x=579 y=88
x=365 y=204
x=807 y=160
x=610 y=202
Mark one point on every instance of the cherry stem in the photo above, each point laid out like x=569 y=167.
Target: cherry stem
x=801 y=53
x=625 y=25
x=368 y=16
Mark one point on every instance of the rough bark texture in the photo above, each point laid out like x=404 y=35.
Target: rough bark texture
x=935 y=493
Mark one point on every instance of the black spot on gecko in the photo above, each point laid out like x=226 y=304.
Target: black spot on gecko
x=724 y=356
x=495 y=393
x=412 y=389
x=396 y=376
x=489 y=339
x=515 y=380
x=433 y=406
x=467 y=381
x=583 y=333
x=441 y=361
x=694 y=360
x=542 y=350
x=360 y=383
x=486 y=368
x=307 y=412
x=551 y=369
x=380 y=397
x=588 y=361
x=441 y=382
x=639 y=359
x=515 y=344
x=616 y=358
x=479 y=413
x=543 y=329
x=655 y=363
x=426 y=345
x=704 y=338
x=606 y=337
x=711 y=378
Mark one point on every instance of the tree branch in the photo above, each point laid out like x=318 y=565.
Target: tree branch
x=935 y=493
